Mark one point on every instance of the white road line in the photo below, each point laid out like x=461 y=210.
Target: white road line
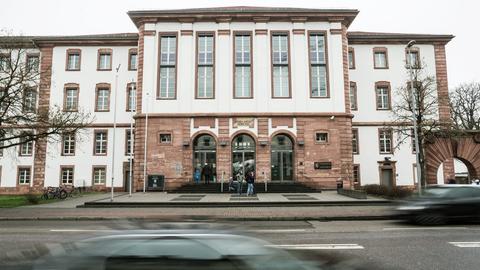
x=423 y=228
x=278 y=230
x=319 y=246
x=79 y=230
x=466 y=244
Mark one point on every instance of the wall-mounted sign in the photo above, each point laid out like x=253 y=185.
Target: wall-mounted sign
x=243 y=122
x=322 y=165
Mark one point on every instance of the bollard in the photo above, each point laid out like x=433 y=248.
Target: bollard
x=265 y=180
x=221 y=183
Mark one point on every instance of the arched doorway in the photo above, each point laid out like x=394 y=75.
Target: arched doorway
x=205 y=157
x=282 y=158
x=461 y=174
x=243 y=155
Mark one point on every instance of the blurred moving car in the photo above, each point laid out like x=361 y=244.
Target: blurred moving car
x=180 y=249
x=443 y=203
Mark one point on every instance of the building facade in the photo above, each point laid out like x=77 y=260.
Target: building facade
x=288 y=93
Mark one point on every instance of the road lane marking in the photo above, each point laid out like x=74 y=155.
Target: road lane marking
x=278 y=230
x=423 y=228
x=79 y=230
x=466 y=244
x=319 y=246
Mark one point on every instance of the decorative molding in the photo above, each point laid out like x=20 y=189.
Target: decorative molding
x=336 y=31
x=186 y=32
x=149 y=33
x=261 y=32
x=223 y=32
x=298 y=31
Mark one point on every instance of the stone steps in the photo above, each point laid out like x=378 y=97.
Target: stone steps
x=289 y=187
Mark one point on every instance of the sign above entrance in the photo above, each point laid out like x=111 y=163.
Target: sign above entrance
x=243 y=122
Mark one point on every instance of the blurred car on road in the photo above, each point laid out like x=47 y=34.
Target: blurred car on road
x=441 y=204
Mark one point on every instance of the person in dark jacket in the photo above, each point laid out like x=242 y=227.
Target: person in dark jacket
x=250 y=181
x=207 y=173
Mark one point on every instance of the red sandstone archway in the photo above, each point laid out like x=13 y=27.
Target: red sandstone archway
x=466 y=149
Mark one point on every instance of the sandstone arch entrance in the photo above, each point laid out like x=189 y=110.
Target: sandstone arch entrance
x=465 y=148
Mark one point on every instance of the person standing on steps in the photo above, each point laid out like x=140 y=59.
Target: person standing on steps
x=207 y=173
x=250 y=182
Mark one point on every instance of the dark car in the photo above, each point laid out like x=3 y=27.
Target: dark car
x=443 y=203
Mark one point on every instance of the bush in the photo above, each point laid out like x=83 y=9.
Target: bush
x=32 y=198
x=384 y=191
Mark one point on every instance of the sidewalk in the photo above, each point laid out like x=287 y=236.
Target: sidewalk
x=285 y=208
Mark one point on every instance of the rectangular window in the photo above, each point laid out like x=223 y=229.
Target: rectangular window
x=24 y=175
x=26 y=147
x=168 y=67
x=280 y=63
x=128 y=142
x=131 y=96
x=318 y=66
x=355 y=143
x=353 y=96
x=321 y=137
x=1 y=145
x=33 y=62
x=243 y=66
x=103 y=99
x=66 y=175
x=100 y=144
x=385 y=141
x=165 y=138
x=73 y=59
x=29 y=100
x=351 y=58
x=380 y=58
x=412 y=135
x=4 y=62
x=104 y=59
x=132 y=59
x=99 y=175
x=383 y=96
x=356 y=174
x=68 y=144
x=71 y=99
x=413 y=58
x=205 y=66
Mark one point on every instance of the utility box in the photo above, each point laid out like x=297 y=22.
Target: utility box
x=156 y=182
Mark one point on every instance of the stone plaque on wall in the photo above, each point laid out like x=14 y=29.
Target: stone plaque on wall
x=243 y=122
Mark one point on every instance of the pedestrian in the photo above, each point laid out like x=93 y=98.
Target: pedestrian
x=197 y=175
x=240 y=180
x=250 y=182
x=207 y=173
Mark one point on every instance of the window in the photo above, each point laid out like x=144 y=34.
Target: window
x=70 y=99
x=32 y=62
x=1 y=144
x=413 y=57
x=351 y=58
x=165 y=138
x=280 y=59
x=131 y=96
x=205 y=66
x=128 y=142
x=104 y=59
x=383 y=95
x=132 y=59
x=4 y=62
x=243 y=66
x=68 y=144
x=356 y=174
x=24 y=175
x=414 y=167
x=102 y=103
x=355 y=142
x=353 y=96
x=168 y=67
x=99 y=175
x=318 y=66
x=321 y=137
x=385 y=141
x=100 y=144
x=73 y=59
x=380 y=58
x=26 y=146
x=66 y=174
x=412 y=135
x=29 y=100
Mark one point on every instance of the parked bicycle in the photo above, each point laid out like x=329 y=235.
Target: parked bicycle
x=54 y=193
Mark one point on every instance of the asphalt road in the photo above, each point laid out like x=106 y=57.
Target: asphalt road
x=385 y=244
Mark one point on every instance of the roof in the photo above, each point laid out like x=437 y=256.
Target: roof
x=80 y=40
x=243 y=13
x=359 y=37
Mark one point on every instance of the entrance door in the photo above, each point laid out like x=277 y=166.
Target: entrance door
x=387 y=178
x=282 y=158
x=205 y=158
x=243 y=155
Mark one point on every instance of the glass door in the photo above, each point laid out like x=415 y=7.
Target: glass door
x=282 y=158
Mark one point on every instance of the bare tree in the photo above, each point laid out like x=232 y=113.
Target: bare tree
x=21 y=119
x=425 y=113
x=465 y=106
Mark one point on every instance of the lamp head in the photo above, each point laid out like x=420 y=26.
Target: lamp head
x=411 y=43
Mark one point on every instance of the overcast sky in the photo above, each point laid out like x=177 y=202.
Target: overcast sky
x=459 y=17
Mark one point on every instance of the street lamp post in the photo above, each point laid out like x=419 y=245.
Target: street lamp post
x=114 y=129
x=132 y=105
x=145 y=143
x=413 y=93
